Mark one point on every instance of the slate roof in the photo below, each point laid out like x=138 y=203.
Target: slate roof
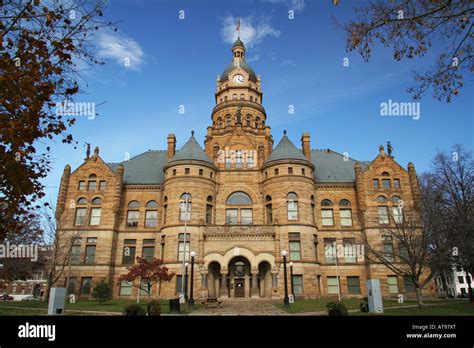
x=330 y=166
x=147 y=168
x=285 y=150
x=191 y=151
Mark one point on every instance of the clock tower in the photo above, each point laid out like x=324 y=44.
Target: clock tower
x=238 y=137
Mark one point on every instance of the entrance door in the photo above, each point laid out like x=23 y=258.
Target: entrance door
x=239 y=288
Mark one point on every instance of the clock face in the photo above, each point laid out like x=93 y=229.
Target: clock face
x=238 y=79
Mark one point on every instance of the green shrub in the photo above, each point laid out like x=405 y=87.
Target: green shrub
x=134 y=309
x=102 y=292
x=364 y=305
x=336 y=308
x=153 y=307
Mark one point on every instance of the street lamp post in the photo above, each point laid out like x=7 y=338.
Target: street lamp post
x=291 y=281
x=191 y=298
x=186 y=210
x=186 y=281
x=286 y=301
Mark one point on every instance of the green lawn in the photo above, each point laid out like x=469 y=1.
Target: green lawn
x=116 y=306
x=446 y=307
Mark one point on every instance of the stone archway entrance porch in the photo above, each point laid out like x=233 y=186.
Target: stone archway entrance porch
x=239 y=274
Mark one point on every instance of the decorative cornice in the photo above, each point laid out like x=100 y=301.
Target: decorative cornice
x=143 y=187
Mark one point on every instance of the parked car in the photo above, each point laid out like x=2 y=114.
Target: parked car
x=30 y=298
x=6 y=297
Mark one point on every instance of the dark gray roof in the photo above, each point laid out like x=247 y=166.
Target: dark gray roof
x=191 y=151
x=146 y=168
x=238 y=42
x=243 y=65
x=285 y=150
x=331 y=166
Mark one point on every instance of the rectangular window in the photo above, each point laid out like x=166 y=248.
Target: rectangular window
x=298 y=284
x=86 y=285
x=82 y=185
x=303 y=172
x=276 y=171
x=349 y=250
x=132 y=218
x=353 y=285
x=181 y=251
x=269 y=213
x=183 y=214
x=327 y=217
x=89 y=258
x=174 y=172
x=333 y=287
x=386 y=183
x=231 y=216
x=102 y=185
x=76 y=255
x=92 y=185
x=201 y=172
x=95 y=216
x=290 y=170
x=376 y=183
x=91 y=240
x=238 y=159
x=208 y=214
x=151 y=218
x=179 y=283
x=125 y=288
x=148 y=252
x=329 y=250
x=396 y=183
x=80 y=216
x=402 y=251
x=250 y=160
x=461 y=279
x=392 y=284
x=71 y=286
x=387 y=248
x=383 y=215
x=186 y=171
x=397 y=215
x=227 y=162
x=246 y=216
x=129 y=250
x=409 y=285
x=346 y=217
x=295 y=250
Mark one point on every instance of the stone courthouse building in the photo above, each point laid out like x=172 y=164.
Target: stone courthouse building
x=242 y=201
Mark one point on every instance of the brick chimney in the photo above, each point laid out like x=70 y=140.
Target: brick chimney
x=171 y=145
x=306 y=145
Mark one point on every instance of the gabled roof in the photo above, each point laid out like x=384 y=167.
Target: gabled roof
x=146 y=168
x=285 y=150
x=331 y=166
x=191 y=151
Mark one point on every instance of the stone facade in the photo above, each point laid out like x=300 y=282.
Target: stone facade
x=247 y=202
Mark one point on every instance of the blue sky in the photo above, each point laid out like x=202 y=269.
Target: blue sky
x=176 y=61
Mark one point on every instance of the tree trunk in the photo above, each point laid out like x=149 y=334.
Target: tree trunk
x=445 y=285
x=419 y=297
x=469 y=289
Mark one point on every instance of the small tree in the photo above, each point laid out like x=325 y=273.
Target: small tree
x=102 y=292
x=144 y=274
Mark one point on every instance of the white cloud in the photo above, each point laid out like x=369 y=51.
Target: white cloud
x=288 y=63
x=253 y=59
x=122 y=49
x=295 y=5
x=252 y=31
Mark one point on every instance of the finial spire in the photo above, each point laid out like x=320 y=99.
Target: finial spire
x=192 y=133
x=284 y=132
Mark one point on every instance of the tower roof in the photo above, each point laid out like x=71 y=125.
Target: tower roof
x=191 y=151
x=285 y=150
x=243 y=64
x=238 y=42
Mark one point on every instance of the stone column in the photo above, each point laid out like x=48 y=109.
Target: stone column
x=274 y=285
x=254 y=291
x=224 y=292
x=204 y=291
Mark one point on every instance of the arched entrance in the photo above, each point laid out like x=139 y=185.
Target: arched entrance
x=265 y=279
x=240 y=282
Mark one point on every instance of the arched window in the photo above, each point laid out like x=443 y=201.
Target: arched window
x=209 y=207
x=240 y=202
x=151 y=214
x=326 y=203
x=133 y=214
x=385 y=174
x=381 y=199
x=397 y=209
x=269 y=209
x=345 y=214
x=396 y=199
x=228 y=120
x=327 y=214
x=248 y=120
x=234 y=96
x=257 y=122
x=219 y=122
x=292 y=205
x=81 y=212
x=185 y=206
x=95 y=212
x=242 y=96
